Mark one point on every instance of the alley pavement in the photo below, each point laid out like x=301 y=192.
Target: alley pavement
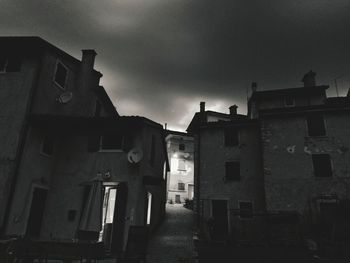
x=172 y=241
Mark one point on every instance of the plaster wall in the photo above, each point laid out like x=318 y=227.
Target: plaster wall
x=290 y=183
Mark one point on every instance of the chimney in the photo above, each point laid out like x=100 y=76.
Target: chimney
x=202 y=106
x=309 y=79
x=233 y=110
x=88 y=60
x=254 y=86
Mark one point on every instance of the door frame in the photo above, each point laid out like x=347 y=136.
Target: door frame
x=227 y=209
x=28 y=208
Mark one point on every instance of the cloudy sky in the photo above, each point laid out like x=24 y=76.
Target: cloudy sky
x=160 y=58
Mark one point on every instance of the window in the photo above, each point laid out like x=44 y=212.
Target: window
x=153 y=149
x=245 y=209
x=149 y=208
x=232 y=171
x=231 y=136
x=289 y=101
x=316 y=125
x=181 y=147
x=61 y=75
x=181 y=165
x=177 y=199
x=181 y=186
x=10 y=64
x=47 y=145
x=111 y=141
x=322 y=165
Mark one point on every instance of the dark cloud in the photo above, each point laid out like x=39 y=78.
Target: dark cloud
x=160 y=58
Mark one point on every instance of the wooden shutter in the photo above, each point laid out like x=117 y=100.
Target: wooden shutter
x=119 y=218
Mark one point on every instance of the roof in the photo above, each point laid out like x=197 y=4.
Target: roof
x=103 y=96
x=168 y=132
x=291 y=91
x=33 y=45
x=91 y=123
x=196 y=120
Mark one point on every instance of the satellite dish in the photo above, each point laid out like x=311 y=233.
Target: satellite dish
x=65 y=97
x=135 y=155
x=107 y=175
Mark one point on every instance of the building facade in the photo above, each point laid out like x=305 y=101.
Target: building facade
x=180 y=178
x=73 y=169
x=288 y=165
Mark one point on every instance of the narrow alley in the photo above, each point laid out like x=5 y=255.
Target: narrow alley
x=172 y=241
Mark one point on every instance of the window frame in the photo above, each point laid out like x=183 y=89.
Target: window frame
x=100 y=149
x=289 y=105
x=178 y=186
x=226 y=131
x=331 y=166
x=239 y=176
x=55 y=72
x=307 y=126
x=42 y=152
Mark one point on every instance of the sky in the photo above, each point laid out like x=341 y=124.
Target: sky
x=160 y=58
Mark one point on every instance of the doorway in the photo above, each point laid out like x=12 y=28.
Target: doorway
x=220 y=219
x=36 y=212
x=110 y=194
x=190 y=191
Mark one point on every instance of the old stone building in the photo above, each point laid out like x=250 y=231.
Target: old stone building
x=180 y=178
x=228 y=175
x=306 y=163
x=289 y=162
x=71 y=167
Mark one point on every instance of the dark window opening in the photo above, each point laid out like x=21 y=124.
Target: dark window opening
x=111 y=141
x=245 y=209
x=153 y=150
x=97 y=109
x=315 y=125
x=181 y=147
x=181 y=186
x=289 y=101
x=61 y=75
x=231 y=136
x=232 y=171
x=322 y=165
x=10 y=64
x=48 y=145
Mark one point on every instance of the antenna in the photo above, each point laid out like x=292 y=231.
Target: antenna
x=336 y=84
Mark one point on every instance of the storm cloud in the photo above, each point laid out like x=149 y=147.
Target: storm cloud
x=160 y=58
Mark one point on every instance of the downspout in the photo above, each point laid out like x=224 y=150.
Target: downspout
x=22 y=140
